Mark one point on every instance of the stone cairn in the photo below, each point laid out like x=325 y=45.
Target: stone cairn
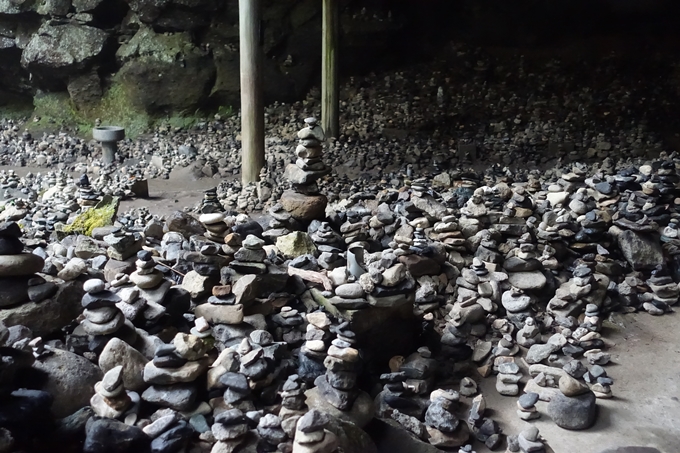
x=18 y=282
x=87 y=198
x=337 y=386
x=292 y=403
x=103 y=319
x=230 y=430
x=173 y=370
x=111 y=399
x=313 y=351
x=304 y=202
x=210 y=204
x=215 y=225
x=146 y=276
x=311 y=435
x=443 y=427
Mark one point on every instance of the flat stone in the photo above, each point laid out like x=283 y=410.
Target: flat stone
x=20 y=265
x=527 y=281
x=220 y=314
x=179 y=397
x=165 y=376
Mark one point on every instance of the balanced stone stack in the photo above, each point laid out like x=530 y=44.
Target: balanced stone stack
x=237 y=393
x=304 y=202
x=337 y=386
x=221 y=307
x=529 y=334
x=508 y=379
x=123 y=245
x=210 y=204
x=111 y=400
x=329 y=243
x=313 y=351
x=87 y=198
x=215 y=225
x=103 y=319
x=173 y=371
x=526 y=406
x=146 y=276
x=574 y=406
x=529 y=441
x=18 y=282
x=665 y=292
x=249 y=259
x=230 y=430
x=311 y=435
x=271 y=433
x=444 y=429
x=290 y=326
x=293 y=405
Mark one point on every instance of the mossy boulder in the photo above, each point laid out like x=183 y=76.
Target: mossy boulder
x=65 y=48
x=164 y=71
x=103 y=214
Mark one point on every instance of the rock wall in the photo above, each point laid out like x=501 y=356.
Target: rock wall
x=179 y=55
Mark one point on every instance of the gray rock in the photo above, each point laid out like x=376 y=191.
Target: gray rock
x=70 y=380
x=62 y=46
x=47 y=316
x=642 y=251
x=117 y=352
x=574 y=413
x=180 y=397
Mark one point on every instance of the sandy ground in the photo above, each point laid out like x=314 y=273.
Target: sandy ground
x=645 y=410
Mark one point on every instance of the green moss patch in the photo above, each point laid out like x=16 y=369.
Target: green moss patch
x=104 y=214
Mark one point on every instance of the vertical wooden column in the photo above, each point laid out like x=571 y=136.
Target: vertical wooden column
x=330 y=99
x=252 y=107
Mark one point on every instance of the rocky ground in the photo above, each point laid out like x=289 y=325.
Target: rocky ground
x=453 y=272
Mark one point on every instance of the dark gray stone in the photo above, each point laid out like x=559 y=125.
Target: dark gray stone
x=574 y=413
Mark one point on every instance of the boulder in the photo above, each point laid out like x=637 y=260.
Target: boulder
x=47 y=316
x=295 y=244
x=117 y=352
x=63 y=47
x=641 y=250
x=70 y=380
x=304 y=207
x=164 y=71
x=574 y=413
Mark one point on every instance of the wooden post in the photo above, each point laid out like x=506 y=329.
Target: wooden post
x=252 y=107
x=330 y=98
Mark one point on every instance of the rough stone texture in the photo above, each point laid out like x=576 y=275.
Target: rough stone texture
x=295 y=244
x=117 y=352
x=574 y=413
x=63 y=46
x=642 y=251
x=389 y=436
x=50 y=315
x=360 y=413
x=164 y=71
x=70 y=380
x=304 y=207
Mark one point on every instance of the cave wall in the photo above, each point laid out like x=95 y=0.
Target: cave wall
x=179 y=55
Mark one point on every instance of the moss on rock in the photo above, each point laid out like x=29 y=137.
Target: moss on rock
x=101 y=215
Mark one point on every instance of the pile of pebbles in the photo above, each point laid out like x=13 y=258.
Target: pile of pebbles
x=218 y=332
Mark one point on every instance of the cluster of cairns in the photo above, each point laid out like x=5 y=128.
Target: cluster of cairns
x=215 y=334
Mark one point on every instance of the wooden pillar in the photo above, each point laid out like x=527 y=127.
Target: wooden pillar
x=330 y=99
x=252 y=107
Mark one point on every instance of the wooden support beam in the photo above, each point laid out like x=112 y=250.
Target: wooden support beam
x=252 y=106
x=330 y=88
